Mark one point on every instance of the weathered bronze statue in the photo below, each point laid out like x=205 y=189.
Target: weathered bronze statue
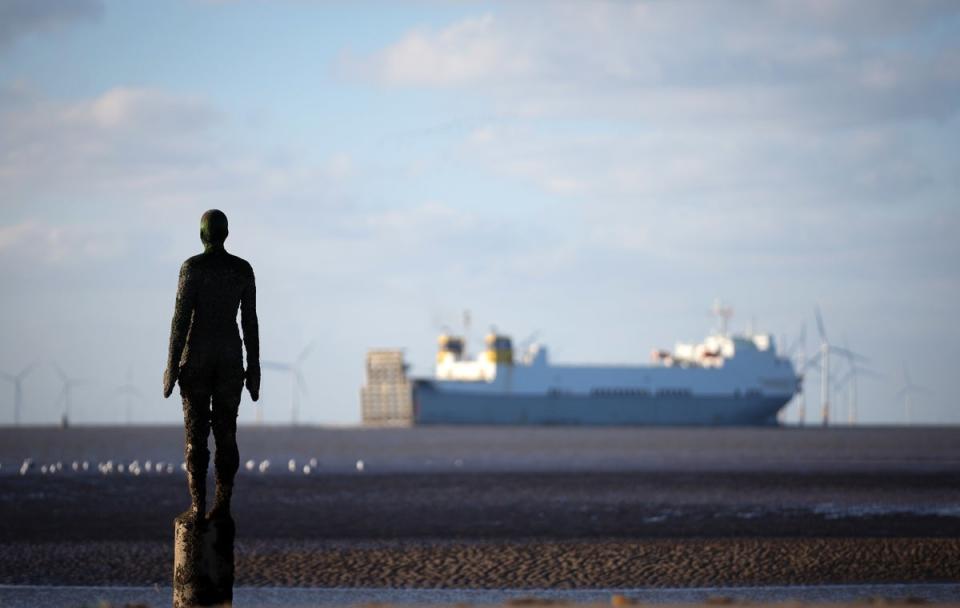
x=206 y=357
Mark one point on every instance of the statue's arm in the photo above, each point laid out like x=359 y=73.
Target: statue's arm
x=251 y=336
x=182 y=314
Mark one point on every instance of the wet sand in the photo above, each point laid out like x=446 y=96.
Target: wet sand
x=858 y=517
x=497 y=530
x=492 y=565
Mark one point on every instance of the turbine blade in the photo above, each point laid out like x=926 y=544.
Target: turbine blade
x=844 y=379
x=849 y=354
x=820 y=328
x=7 y=376
x=283 y=367
x=306 y=351
x=128 y=389
x=302 y=384
x=800 y=339
x=906 y=375
x=26 y=371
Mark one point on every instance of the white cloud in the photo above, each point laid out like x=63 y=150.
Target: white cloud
x=563 y=185
x=142 y=110
x=147 y=158
x=32 y=242
x=813 y=63
x=120 y=141
x=340 y=166
x=483 y=135
x=463 y=53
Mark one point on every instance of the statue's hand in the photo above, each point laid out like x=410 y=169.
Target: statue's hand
x=169 y=380
x=253 y=382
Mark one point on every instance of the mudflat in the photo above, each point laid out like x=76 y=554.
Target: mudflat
x=863 y=515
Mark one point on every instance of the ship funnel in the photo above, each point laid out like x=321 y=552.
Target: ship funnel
x=499 y=349
x=449 y=347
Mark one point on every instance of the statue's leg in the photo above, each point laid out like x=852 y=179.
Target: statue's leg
x=196 y=419
x=203 y=548
x=227 y=459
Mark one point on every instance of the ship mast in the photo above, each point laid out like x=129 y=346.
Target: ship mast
x=724 y=313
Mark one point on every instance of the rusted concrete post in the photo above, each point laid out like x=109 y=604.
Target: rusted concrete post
x=203 y=561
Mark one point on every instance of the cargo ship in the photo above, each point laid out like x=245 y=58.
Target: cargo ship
x=723 y=380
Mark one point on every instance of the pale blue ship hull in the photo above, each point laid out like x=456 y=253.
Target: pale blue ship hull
x=432 y=406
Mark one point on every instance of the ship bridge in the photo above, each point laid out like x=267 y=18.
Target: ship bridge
x=716 y=351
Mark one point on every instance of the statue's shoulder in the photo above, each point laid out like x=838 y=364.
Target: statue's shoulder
x=192 y=263
x=241 y=265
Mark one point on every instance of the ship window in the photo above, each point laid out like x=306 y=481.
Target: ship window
x=622 y=392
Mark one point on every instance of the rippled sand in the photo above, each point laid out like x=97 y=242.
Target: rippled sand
x=728 y=507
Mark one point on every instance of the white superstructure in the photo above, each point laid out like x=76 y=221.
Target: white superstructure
x=720 y=365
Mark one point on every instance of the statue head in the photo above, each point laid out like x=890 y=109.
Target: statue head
x=213 y=227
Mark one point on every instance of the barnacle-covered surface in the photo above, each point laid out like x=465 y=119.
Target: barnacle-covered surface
x=206 y=356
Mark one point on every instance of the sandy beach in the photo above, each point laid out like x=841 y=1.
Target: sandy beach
x=857 y=517
x=664 y=563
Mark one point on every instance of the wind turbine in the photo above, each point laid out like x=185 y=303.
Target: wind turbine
x=823 y=358
x=68 y=385
x=131 y=392
x=801 y=364
x=297 y=384
x=17 y=381
x=849 y=380
x=909 y=389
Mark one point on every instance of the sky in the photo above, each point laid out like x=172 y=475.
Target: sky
x=598 y=172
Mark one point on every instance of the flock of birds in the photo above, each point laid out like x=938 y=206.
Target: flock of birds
x=109 y=467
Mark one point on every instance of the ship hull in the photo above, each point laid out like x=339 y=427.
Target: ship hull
x=432 y=406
